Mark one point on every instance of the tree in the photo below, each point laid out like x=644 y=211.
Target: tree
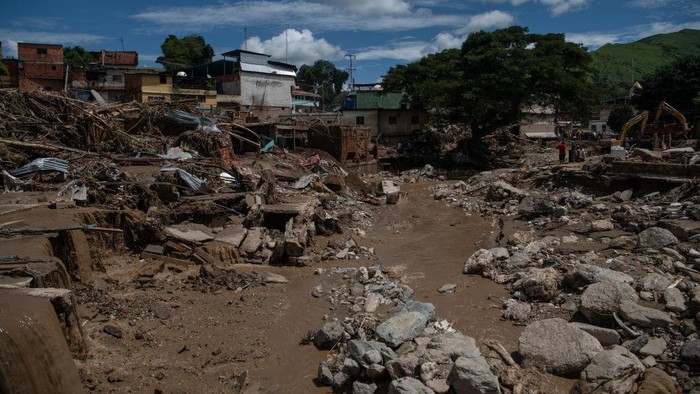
x=3 y=69
x=619 y=115
x=77 y=57
x=324 y=79
x=489 y=81
x=182 y=52
x=677 y=83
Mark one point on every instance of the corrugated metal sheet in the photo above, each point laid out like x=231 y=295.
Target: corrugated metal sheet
x=267 y=69
x=42 y=164
x=192 y=181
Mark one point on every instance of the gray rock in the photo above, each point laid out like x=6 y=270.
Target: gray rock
x=363 y=388
x=401 y=327
x=517 y=310
x=428 y=371
x=518 y=260
x=425 y=308
x=581 y=275
x=439 y=386
x=329 y=335
x=653 y=282
x=408 y=385
x=600 y=300
x=539 y=283
x=357 y=350
x=559 y=212
x=602 y=225
x=478 y=262
x=402 y=366
x=655 y=347
x=625 y=242
x=606 y=336
x=351 y=367
x=500 y=253
x=649 y=361
x=655 y=238
x=373 y=357
x=675 y=302
x=611 y=371
x=340 y=381
x=376 y=372
x=447 y=289
x=643 y=316
x=325 y=376
x=473 y=376
x=556 y=346
x=691 y=351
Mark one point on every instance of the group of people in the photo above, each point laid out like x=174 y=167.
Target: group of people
x=576 y=153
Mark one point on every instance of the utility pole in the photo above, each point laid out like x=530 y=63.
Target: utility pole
x=121 y=39
x=351 y=69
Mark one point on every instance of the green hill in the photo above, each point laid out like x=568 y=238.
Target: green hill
x=617 y=66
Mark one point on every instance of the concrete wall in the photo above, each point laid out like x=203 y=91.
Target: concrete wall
x=370 y=119
x=266 y=90
x=148 y=87
x=395 y=125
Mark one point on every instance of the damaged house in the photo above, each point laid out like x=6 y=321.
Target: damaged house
x=40 y=66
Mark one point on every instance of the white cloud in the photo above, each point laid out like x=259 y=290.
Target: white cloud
x=496 y=19
x=336 y=15
x=12 y=37
x=593 y=40
x=295 y=47
x=648 y=3
x=556 y=7
x=374 y=7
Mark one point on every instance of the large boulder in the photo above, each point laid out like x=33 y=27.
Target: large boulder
x=401 y=327
x=556 y=346
x=612 y=371
x=674 y=299
x=643 y=316
x=358 y=351
x=581 y=275
x=691 y=351
x=655 y=238
x=539 y=283
x=482 y=260
x=329 y=335
x=600 y=300
x=473 y=376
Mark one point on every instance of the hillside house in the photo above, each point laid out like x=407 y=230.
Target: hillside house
x=40 y=66
x=149 y=85
x=259 y=88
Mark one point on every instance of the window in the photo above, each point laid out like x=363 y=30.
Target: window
x=392 y=120
x=116 y=78
x=359 y=120
x=593 y=128
x=163 y=79
x=605 y=127
x=415 y=120
x=41 y=51
x=53 y=68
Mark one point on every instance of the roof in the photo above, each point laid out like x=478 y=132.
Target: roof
x=371 y=100
x=269 y=69
x=300 y=92
x=35 y=43
x=236 y=52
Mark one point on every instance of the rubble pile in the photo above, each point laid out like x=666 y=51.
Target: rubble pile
x=621 y=268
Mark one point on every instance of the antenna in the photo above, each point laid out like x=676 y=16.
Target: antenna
x=121 y=39
x=245 y=37
x=286 y=44
x=351 y=69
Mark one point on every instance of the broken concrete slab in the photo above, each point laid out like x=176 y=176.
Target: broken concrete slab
x=192 y=232
x=232 y=235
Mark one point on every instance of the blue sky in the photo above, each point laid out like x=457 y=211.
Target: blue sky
x=380 y=33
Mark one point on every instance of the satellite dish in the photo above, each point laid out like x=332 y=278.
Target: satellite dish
x=181 y=74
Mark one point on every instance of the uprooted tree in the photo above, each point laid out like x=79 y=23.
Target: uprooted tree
x=182 y=52
x=487 y=83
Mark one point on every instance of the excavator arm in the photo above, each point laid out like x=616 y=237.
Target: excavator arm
x=641 y=117
x=664 y=106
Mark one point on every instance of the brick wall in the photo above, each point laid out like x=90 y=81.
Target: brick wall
x=26 y=85
x=42 y=71
x=45 y=53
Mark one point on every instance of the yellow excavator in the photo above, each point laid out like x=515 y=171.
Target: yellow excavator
x=655 y=128
x=641 y=117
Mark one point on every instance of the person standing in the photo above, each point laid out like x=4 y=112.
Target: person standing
x=562 y=151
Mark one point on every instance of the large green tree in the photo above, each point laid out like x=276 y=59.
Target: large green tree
x=488 y=82
x=77 y=56
x=619 y=115
x=677 y=83
x=182 y=52
x=324 y=79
